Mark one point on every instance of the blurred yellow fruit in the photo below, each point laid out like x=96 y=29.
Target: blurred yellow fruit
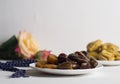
x=109 y=47
x=117 y=55
x=105 y=55
x=93 y=46
x=93 y=54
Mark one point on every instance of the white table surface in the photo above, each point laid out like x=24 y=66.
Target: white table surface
x=106 y=75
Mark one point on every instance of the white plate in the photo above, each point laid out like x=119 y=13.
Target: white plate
x=66 y=72
x=109 y=63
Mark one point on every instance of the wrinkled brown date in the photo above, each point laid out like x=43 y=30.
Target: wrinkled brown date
x=93 y=62
x=85 y=53
x=85 y=66
x=62 y=58
x=65 y=65
x=77 y=58
x=82 y=55
x=83 y=61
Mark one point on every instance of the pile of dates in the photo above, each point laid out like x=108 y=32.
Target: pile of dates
x=76 y=60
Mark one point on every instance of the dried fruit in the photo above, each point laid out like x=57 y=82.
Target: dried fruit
x=105 y=55
x=65 y=65
x=62 y=58
x=52 y=59
x=76 y=60
x=93 y=62
x=85 y=53
x=93 y=46
x=93 y=54
x=50 y=66
x=105 y=51
x=85 y=66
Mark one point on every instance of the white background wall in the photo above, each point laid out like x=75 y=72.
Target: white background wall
x=62 y=25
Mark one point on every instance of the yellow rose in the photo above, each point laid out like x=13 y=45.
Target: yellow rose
x=28 y=46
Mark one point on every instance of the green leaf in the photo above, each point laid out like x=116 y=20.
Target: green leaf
x=9 y=44
x=7 y=49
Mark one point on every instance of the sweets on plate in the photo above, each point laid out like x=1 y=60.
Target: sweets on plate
x=103 y=51
x=76 y=60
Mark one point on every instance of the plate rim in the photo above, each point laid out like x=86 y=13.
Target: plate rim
x=104 y=62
